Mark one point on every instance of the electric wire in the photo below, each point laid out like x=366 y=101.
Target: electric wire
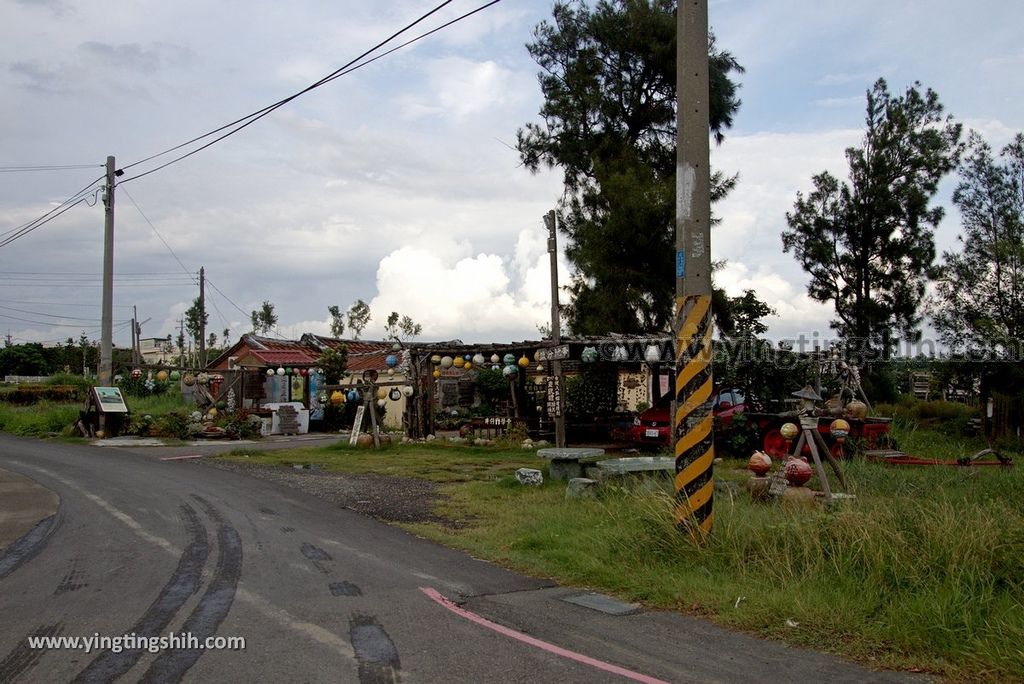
x=48 y=315
x=47 y=167
x=349 y=67
x=157 y=232
x=26 y=228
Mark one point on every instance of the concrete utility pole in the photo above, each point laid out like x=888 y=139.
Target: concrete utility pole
x=551 y=221
x=202 y=317
x=107 y=324
x=134 y=331
x=692 y=415
x=181 y=338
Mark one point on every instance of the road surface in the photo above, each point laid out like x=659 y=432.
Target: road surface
x=150 y=547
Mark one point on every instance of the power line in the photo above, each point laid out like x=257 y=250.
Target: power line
x=238 y=125
x=47 y=167
x=146 y=219
x=47 y=315
x=74 y=304
x=26 y=228
x=49 y=323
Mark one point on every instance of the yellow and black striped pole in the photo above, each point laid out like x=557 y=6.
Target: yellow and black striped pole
x=692 y=416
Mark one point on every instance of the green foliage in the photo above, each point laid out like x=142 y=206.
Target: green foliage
x=358 y=316
x=41 y=419
x=609 y=122
x=337 y=321
x=592 y=392
x=492 y=385
x=869 y=245
x=401 y=328
x=334 y=362
x=264 y=319
x=979 y=302
x=23 y=359
x=142 y=387
x=83 y=384
x=26 y=395
x=196 y=319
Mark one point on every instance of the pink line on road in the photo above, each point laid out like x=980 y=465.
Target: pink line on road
x=550 y=648
x=180 y=458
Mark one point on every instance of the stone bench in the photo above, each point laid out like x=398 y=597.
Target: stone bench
x=568 y=462
x=637 y=465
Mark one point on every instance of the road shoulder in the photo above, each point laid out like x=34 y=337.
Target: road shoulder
x=23 y=504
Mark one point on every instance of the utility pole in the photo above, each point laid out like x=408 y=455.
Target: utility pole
x=551 y=221
x=202 y=316
x=107 y=324
x=135 y=333
x=181 y=339
x=692 y=416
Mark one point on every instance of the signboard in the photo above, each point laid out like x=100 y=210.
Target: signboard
x=554 y=397
x=357 y=425
x=559 y=353
x=109 y=400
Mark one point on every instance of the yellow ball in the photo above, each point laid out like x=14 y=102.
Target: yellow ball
x=437 y=373
x=840 y=424
x=524 y=362
x=459 y=362
x=161 y=375
x=789 y=430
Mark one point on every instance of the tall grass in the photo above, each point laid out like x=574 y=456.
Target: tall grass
x=42 y=419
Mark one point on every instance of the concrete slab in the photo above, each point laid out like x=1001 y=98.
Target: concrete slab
x=604 y=604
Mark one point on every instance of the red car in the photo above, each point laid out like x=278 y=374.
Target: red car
x=653 y=427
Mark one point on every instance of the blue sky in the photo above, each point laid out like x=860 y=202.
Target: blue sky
x=395 y=184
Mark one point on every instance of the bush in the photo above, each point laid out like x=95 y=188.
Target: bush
x=27 y=395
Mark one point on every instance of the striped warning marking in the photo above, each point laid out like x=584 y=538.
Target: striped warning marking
x=692 y=421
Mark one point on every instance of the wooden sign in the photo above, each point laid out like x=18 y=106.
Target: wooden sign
x=559 y=353
x=357 y=425
x=109 y=400
x=554 y=397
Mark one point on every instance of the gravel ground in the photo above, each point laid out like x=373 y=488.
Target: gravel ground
x=391 y=499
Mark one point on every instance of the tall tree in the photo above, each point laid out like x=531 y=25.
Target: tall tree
x=337 y=321
x=264 y=319
x=401 y=327
x=979 y=300
x=358 y=316
x=196 y=319
x=868 y=244
x=609 y=122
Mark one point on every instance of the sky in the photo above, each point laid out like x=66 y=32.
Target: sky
x=398 y=184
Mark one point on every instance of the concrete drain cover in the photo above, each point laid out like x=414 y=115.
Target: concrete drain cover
x=605 y=604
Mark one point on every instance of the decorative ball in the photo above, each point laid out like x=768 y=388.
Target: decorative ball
x=202 y=378
x=352 y=395
x=136 y=374
x=857 y=409
x=304 y=372
x=589 y=355
x=391 y=360
x=540 y=367
x=840 y=429
x=435 y=359
x=468 y=365
x=391 y=371
x=381 y=402
x=189 y=379
x=536 y=355
x=118 y=379
x=524 y=361
x=509 y=371
x=479 y=360
x=620 y=353
x=468 y=357
x=280 y=371
x=437 y=374
x=760 y=463
x=459 y=362
x=382 y=392
x=446 y=362
x=397 y=346
x=652 y=354
x=789 y=430
x=270 y=371
x=495 y=358
x=407 y=391
x=364 y=440
x=337 y=397
x=161 y=376
x=175 y=375
x=395 y=394
x=509 y=359
x=495 y=367
x=797 y=472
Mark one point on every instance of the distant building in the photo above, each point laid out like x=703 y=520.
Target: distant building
x=157 y=350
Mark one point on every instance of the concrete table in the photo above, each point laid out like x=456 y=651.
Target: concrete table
x=638 y=465
x=566 y=463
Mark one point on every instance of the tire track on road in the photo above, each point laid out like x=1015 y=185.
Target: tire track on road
x=23 y=658
x=213 y=607
x=184 y=582
x=29 y=545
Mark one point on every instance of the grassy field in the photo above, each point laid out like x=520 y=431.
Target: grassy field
x=49 y=418
x=924 y=571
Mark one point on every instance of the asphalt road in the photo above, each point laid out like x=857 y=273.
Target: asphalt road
x=150 y=547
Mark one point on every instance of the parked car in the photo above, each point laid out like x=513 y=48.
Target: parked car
x=653 y=426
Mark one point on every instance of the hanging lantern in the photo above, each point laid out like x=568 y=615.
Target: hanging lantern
x=459 y=362
x=840 y=429
x=381 y=403
x=524 y=362
x=495 y=358
x=391 y=371
x=652 y=354
x=509 y=359
x=280 y=371
x=353 y=395
x=536 y=355
x=496 y=367
x=175 y=376
x=407 y=391
x=479 y=360
x=435 y=359
x=395 y=394
x=304 y=372
x=436 y=374
x=468 y=366
x=509 y=371
x=620 y=353
x=397 y=346
x=136 y=374
x=540 y=367
x=538 y=380
x=391 y=360
x=468 y=357
x=202 y=378
x=337 y=397
x=382 y=392
x=188 y=379
x=589 y=355
x=446 y=362
x=161 y=376
x=270 y=371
